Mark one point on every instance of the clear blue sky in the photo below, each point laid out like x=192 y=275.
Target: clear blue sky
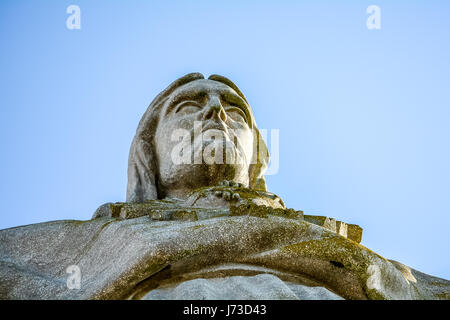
x=364 y=115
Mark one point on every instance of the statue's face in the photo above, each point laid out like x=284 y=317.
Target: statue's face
x=204 y=135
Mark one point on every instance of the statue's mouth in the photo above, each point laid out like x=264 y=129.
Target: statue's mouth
x=215 y=126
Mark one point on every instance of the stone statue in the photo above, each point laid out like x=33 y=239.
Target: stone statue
x=219 y=106
x=199 y=223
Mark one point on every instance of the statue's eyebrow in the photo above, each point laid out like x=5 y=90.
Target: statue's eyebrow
x=198 y=96
x=236 y=100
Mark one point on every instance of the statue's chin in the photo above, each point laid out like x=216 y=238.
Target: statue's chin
x=183 y=179
x=211 y=174
x=211 y=165
x=221 y=160
x=194 y=176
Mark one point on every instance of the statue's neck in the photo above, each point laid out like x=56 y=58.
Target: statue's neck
x=180 y=194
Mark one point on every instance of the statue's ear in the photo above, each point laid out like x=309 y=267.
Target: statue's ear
x=141 y=175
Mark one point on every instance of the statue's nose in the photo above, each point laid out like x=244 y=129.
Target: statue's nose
x=214 y=110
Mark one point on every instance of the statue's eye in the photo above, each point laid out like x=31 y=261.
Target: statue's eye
x=236 y=114
x=188 y=107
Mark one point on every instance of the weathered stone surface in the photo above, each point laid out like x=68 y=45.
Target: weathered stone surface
x=259 y=287
x=123 y=258
x=350 y=231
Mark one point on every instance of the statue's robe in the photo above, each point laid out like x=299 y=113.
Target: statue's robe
x=222 y=257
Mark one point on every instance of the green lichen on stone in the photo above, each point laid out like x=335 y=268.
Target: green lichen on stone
x=115 y=209
x=198 y=226
x=264 y=211
x=443 y=295
x=374 y=294
x=185 y=215
x=338 y=248
x=249 y=209
x=340 y=251
x=354 y=232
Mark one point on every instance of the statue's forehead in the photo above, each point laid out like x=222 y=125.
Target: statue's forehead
x=203 y=85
